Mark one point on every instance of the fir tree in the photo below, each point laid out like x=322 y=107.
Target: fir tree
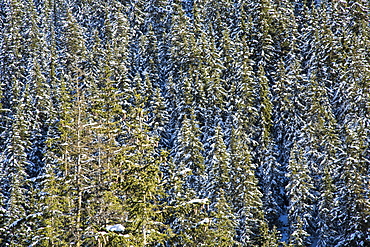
x=15 y=127
x=246 y=202
x=14 y=192
x=218 y=167
x=139 y=164
x=190 y=224
x=351 y=194
x=301 y=198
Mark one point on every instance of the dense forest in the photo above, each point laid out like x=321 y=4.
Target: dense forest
x=185 y=123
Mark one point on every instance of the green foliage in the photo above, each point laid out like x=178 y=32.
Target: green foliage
x=220 y=210
x=262 y=107
x=301 y=197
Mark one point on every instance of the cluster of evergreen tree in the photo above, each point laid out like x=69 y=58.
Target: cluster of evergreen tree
x=185 y=123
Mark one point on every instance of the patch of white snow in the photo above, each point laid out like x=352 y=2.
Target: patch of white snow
x=186 y=170
x=204 y=221
x=115 y=228
x=202 y=201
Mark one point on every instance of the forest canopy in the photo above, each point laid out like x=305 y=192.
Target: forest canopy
x=184 y=123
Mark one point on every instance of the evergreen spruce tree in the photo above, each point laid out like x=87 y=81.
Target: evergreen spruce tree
x=246 y=197
x=190 y=224
x=325 y=157
x=301 y=198
x=221 y=216
x=14 y=162
x=139 y=163
x=286 y=115
x=287 y=106
x=15 y=126
x=209 y=83
x=13 y=64
x=322 y=157
x=353 y=209
x=190 y=154
x=42 y=111
x=270 y=171
x=40 y=92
